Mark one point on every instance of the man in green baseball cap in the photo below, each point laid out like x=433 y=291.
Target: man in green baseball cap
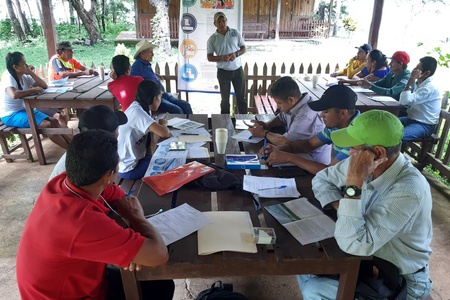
x=383 y=204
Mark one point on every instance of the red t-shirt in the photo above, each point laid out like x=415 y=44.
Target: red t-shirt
x=124 y=89
x=67 y=242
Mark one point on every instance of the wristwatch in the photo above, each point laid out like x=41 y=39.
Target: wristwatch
x=351 y=191
x=266 y=133
x=237 y=53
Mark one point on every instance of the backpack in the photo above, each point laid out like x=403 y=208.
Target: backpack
x=220 y=291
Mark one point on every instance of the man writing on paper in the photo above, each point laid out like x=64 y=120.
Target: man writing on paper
x=69 y=239
x=383 y=204
x=298 y=119
x=424 y=104
x=338 y=111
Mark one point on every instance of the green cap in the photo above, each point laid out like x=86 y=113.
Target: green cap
x=374 y=128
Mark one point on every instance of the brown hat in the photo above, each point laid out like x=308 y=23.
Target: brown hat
x=65 y=45
x=141 y=46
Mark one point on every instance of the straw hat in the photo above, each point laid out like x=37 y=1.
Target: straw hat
x=143 y=45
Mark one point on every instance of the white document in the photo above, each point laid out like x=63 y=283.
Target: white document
x=194 y=138
x=271 y=187
x=86 y=76
x=163 y=160
x=304 y=221
x=302 y=155
x=198 y=152
x=229 y=231
x=57 y=90
x=246 y=136
x=358 y=89
x=176 y=223
x=183 y=124
x=383 y=99
x=198 y=131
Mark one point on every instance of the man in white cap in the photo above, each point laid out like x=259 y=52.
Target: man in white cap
x=384 y=207
x=225 y=46
x=142 y=67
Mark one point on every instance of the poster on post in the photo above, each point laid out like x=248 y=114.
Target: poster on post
x=195 y=72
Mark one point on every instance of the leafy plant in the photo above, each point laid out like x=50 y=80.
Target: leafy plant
x=436 y=174
x=349 y=24
x=443 y=59
x=5 y=29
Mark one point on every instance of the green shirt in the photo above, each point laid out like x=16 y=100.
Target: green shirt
x=391 y=85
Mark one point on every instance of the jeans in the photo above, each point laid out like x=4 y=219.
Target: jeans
x=238 y=79
x=415 y=129
x=173 y=105
x=315 y=287
x=156 y=289
x=139 y=170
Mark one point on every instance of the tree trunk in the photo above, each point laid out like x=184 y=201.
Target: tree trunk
x=103 y=15
x=88 y=18
x=41 y=16
x=73 y=19
x=160 y=25
x=23 y=21
x=376 y=22
x=338 y=15
x=15 y=22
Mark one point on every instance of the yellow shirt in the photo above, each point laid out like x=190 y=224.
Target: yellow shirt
x=353 y=67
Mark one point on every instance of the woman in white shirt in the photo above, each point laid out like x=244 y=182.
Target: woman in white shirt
x=133 y=136
x=19 y=81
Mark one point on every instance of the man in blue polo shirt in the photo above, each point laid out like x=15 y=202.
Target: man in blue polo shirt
x=337 y=106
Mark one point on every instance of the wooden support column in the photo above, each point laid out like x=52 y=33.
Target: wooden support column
x=376 y=22
x=49 y=27
x=277 y=26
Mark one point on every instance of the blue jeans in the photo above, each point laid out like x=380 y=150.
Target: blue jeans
x=139 y=171
x=173 y=105
x=415 y=129
x=236 y=77
x=315 y=287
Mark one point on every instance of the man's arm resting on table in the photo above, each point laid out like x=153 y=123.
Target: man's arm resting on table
x=154 y=251
x=305 y=146
x=277 y=139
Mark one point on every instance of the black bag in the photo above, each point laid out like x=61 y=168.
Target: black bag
x=218 y=180
x=220 y=291
x=388 y=284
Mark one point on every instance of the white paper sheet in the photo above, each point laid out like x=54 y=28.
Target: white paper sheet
x=269 y=187
x=57 y=89
x=198 y=152
x=179 y=222
x=183 y=124
x=358 y=89
x=383 y=99
x=245 y=137
x=229 y=231
x=163 y=160
x=302 y=155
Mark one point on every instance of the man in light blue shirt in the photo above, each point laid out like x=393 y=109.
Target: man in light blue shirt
x=228 y=45
x=423 y=104
x=383 y=204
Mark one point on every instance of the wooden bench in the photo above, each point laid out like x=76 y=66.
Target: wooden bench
x=8 y=152
x=265 y=104
x=256 y=30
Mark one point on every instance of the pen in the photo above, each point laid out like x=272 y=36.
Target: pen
x=187 y=133
x=129 y=193
x=265 y=146
x=169 y=165
x=273 y=188
x=250 y=137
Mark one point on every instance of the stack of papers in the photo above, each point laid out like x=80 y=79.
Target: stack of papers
x=246 y=136
x=183 y=124
x=229 y=231
x=271 y=187
x=358 y=89
x=243 y=161
x=304 y=221
x=383 y=99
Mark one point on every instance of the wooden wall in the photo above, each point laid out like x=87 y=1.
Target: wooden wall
x=291 y=10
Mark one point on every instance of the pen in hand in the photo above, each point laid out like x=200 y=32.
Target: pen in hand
x=265 y=146
x=129 y=193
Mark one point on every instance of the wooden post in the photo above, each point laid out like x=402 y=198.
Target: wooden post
x=375 y=24
x=49 y=27
x=277 y=27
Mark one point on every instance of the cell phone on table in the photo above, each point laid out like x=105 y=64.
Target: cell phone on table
x=177 y=146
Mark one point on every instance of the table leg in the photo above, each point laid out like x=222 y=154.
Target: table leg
x=131 y=286
x=347 y=281
x=35 y=134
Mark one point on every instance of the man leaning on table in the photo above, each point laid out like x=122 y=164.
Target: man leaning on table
x=69 y=239
x=299 y=121
x=383 y=204
x=338 y=111
x=423 y=104
x=63 y=64
x=356 y=63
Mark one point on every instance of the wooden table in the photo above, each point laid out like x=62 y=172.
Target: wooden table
x=364 y=102
x=286 y=257
x=92 y=95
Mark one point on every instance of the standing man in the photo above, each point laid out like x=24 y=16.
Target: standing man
x=142 y=67
x=383 y=204
x=337 y=106
x=394 y=82
x=63 y=64
x=228 y=45
x=300 y=121
x=424 y=104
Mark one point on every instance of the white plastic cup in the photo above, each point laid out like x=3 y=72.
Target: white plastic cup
x=221 y=135
x=101 y=73
x=315 y=79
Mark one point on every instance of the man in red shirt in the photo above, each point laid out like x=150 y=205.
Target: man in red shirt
x=69 y=239
x=124 y=86
x=62 y=64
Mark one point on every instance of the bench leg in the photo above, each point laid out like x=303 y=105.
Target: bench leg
x=4 y=145
x=26 y=147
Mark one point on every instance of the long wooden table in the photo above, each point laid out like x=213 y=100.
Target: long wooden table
x=286 y=257
x=92 y=95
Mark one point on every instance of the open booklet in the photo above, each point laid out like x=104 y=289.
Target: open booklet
x=304 y=221
x=229 y=231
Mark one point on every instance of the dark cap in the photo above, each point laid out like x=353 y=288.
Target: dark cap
x=101 y=117
x=219 y=14
x=366 y=48
x=338 y=96
x=63 y=46
x=401 y=56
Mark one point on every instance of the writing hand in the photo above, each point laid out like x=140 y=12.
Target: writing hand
x=257 y=130
x=269 y=149
x=162 y=122
x=277 y=157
